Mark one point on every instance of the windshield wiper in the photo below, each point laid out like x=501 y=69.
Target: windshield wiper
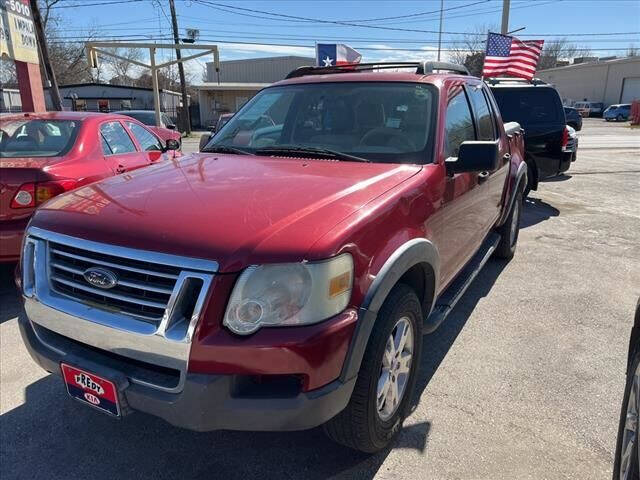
x=225 y=149
x=308 y=151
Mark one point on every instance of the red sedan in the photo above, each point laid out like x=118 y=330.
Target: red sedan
x=43 y=155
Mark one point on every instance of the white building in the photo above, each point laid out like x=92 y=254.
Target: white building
x=608 y=81
x=239 y=80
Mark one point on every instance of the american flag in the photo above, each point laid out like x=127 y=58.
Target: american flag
x=510 y=56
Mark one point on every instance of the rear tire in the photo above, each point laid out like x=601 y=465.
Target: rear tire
x=372 y=418
x=510 y=230
x=531 y=179
x=626 y=434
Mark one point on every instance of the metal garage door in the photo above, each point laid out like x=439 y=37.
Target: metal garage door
x=630 y=90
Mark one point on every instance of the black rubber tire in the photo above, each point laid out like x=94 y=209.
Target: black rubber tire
x=531 y=181
x=358 y=426
x=508 y=240
x=635 y=475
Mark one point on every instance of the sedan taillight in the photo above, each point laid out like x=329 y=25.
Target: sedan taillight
x=32 y=194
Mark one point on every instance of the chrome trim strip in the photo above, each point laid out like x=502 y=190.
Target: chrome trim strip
x=165 y=343
x=126 y=283
x=107 y=293
x=114 y=265
x=131 y=253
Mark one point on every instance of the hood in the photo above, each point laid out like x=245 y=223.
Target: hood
x=237 y=210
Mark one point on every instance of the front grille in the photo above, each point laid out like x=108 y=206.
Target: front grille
x=143 y=289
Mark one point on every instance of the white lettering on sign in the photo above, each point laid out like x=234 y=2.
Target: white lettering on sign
x=86 y=382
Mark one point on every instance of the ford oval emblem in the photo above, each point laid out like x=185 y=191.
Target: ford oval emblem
x=100 y=277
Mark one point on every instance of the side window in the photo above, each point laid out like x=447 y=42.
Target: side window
x=484 y=117
x=116 y=138
x=459 y=124
x=146 y=139
x=166 y=120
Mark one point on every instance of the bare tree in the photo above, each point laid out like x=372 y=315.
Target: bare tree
x=560 y=49
x=633 y=51
x=123 y=67
x=470 y=52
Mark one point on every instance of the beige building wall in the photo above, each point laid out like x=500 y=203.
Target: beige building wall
x=213 y=103
x=595 y=82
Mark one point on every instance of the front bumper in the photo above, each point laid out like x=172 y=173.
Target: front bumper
x=206 y=402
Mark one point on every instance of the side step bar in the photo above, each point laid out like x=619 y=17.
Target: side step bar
x=454 y=292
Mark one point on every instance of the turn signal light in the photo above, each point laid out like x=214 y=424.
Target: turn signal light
x=30 y=195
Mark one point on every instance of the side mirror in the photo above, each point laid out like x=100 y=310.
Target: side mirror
x=171 y=144
x=171 y=126
x=475 y=156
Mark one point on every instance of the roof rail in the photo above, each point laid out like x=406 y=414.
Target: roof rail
x=422 y=68
x=499 y=80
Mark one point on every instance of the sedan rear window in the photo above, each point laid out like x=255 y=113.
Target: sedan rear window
x=529 y=106
x=37 y=137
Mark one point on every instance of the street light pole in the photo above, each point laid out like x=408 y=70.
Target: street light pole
x=440 y=30
x=505 y=16
x=186 y=121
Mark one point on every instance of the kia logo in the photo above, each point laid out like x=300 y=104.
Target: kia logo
x=100 y=277
x=91 y=398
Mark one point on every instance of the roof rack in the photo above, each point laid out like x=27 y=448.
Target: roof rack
x=499 y=80
x=422 y=68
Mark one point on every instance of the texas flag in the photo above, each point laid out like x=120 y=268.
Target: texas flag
x=331 y=54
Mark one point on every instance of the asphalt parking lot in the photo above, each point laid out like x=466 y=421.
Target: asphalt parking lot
x=524 y=380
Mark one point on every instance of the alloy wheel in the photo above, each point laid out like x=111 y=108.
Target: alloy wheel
x=395 y=370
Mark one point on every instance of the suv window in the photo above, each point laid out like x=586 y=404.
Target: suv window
x=529 y=105
x=147 y=141
x=458 y=125
x=484 y=117
x=116 y=138
x=379 y=121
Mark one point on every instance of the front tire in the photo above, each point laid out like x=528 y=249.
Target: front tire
x=510 y=230
x=625 y=464
x=381 y=398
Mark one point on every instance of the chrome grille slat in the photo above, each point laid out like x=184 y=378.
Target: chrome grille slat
x=125 y=283
x=148 y=315
x=106 y=293
x=113 y=265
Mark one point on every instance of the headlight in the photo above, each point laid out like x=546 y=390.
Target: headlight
x=289 y=294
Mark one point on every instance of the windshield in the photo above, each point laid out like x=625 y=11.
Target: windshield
x=148 y=118
x=37 y=138
x=381 y=122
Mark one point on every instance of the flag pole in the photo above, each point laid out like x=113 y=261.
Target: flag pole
x=440 y=30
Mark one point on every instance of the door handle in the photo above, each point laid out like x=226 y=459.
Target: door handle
x=120 y=169
x=482 y=176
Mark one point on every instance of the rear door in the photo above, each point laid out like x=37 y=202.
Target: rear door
x=119 y=149
x=487 y=130
x=148 y=143
x=538 y=109
x=465 y=202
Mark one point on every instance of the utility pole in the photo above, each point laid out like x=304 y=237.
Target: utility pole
x=186 y=121
x=505 y=16
x=44 y=52
x=440 y=30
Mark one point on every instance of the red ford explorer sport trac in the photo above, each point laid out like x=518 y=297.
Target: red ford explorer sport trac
x=283 y=278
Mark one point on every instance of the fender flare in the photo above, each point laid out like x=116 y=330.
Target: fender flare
x=521 y=175
x=414 y=252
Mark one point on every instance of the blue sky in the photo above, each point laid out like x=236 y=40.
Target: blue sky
x=220 y=20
